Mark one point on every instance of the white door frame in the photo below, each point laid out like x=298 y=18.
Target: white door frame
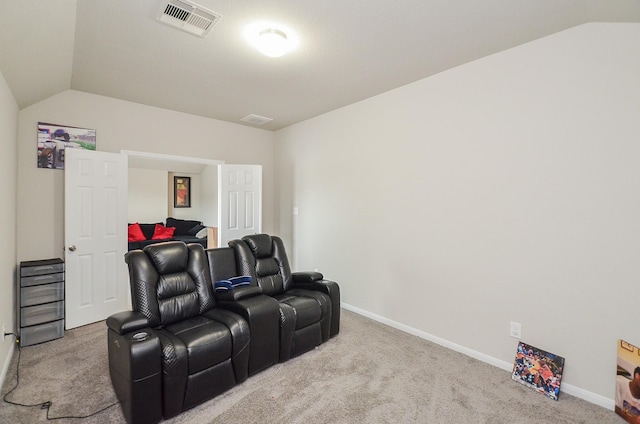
x=175 y=164
x=161 y=161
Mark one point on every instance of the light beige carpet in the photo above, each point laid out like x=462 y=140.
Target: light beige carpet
x=369 y=373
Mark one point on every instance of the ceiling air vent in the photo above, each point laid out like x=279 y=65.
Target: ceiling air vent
x=188 y=16
x=256 y=119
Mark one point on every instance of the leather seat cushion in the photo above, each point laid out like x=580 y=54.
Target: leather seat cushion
x=207 y=342
x=307 y=309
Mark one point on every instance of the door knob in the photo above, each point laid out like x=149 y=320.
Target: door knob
x=72 y=248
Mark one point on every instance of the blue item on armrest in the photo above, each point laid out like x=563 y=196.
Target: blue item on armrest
x=243 y=280
x=229 y=284
x=222 y=285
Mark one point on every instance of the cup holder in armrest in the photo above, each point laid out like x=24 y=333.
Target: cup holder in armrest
x=140 y=336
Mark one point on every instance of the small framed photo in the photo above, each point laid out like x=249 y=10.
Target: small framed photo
x=181 y=192
x=627 y=346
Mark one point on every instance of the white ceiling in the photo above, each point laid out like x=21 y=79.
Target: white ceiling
x=349 y=50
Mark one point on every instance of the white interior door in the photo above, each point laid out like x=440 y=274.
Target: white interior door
x=239 y=201
x=97 y=284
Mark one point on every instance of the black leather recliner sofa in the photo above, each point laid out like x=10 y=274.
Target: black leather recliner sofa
x=309 y=305
x=184 y=343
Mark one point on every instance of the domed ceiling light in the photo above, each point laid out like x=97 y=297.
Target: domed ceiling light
x=271 y=40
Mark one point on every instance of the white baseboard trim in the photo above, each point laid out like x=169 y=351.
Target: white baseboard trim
x=7 y=362
x=507 y=366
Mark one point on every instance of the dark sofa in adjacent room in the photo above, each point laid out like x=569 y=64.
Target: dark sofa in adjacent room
x=185 y=230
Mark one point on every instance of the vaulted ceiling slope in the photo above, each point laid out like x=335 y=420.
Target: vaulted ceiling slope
x=349 y=50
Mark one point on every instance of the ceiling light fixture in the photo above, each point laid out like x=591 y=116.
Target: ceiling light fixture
x=272 y=40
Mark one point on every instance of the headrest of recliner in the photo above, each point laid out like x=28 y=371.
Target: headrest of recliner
x=168 y=257
x=261 y=245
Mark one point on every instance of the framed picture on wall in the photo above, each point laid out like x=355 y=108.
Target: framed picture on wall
x=54 y=139
x=181 y=192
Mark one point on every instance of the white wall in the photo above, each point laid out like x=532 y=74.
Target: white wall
x=209 y=196
x=120 y=126
x=8 y=262
x=148 y=195
x=504 y=189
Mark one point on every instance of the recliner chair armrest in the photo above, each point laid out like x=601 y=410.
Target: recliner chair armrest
x=127 y=321
x=135 y=367
x=306 y=276
x=330 y=288
x=324 y=286
x=238 y=293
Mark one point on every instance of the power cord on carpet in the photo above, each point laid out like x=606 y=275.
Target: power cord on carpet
x=45 y=405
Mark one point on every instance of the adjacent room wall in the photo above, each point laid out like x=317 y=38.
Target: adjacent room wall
x=506 y=189
x=120 y=126
x=209 y=196
x=148 y=195
x=8 y=262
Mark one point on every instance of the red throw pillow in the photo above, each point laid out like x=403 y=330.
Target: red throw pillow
x=161 y=232
x=135 y=233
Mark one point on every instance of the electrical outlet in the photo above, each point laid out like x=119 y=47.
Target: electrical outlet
x=516 y=330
